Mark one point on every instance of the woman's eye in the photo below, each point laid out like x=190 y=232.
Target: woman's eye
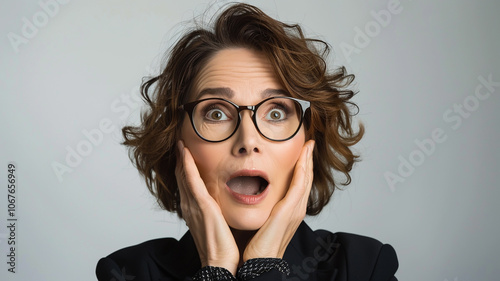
x=276 y=115
x=216 y=115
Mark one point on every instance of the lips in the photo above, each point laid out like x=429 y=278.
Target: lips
x=248 y=186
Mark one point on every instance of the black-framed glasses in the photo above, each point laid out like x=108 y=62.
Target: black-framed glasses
x=217 y=119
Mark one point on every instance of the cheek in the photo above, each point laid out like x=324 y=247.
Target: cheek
x=285 y=158
x=207 y=156
x=294 y=148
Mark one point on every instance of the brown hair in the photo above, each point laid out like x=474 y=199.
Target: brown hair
x=300 y=66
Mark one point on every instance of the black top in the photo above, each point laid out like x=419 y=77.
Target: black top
x=311 y=255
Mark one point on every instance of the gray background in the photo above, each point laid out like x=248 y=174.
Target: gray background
x=83 y=65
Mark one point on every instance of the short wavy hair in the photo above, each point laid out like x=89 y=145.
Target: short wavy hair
x=300 y=66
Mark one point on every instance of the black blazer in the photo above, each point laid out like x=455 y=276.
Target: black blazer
x=311 y=255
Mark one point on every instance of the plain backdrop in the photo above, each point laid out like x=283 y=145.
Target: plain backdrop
x=427 y=183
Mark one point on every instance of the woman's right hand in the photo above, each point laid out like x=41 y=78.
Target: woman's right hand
x=212 y=236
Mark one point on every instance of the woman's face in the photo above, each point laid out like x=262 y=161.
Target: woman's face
x=233 y=169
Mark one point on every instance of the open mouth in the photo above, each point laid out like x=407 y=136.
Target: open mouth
x=248 y=185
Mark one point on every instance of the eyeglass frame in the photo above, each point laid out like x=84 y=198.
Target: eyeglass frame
x=189 y=108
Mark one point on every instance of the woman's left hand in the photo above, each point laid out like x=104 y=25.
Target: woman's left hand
x=273 y=237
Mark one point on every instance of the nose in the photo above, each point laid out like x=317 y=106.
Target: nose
x=248 y=139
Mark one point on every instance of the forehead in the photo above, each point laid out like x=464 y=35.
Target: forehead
x=243 y=71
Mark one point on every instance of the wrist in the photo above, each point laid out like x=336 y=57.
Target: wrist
x=249 y=256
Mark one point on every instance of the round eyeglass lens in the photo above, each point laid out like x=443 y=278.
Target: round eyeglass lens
x=215 y=119
x=278 y=118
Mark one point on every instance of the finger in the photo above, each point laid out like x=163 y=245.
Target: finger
x=302 y=176
x=309 y=168
x=186 y=200
x=180 y=173
x=194 y=187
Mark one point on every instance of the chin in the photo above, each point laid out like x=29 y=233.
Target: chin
x=248 y=220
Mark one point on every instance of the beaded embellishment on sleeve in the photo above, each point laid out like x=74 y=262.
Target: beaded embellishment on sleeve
x=250 y=269
x=255 y=267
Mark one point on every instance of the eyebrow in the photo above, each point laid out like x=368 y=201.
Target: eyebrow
x=267 y=93
x=218 y=92
x=228 y=93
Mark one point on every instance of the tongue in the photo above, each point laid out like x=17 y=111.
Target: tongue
x=245 y=185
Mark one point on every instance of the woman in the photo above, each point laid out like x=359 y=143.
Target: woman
x=252 y=123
